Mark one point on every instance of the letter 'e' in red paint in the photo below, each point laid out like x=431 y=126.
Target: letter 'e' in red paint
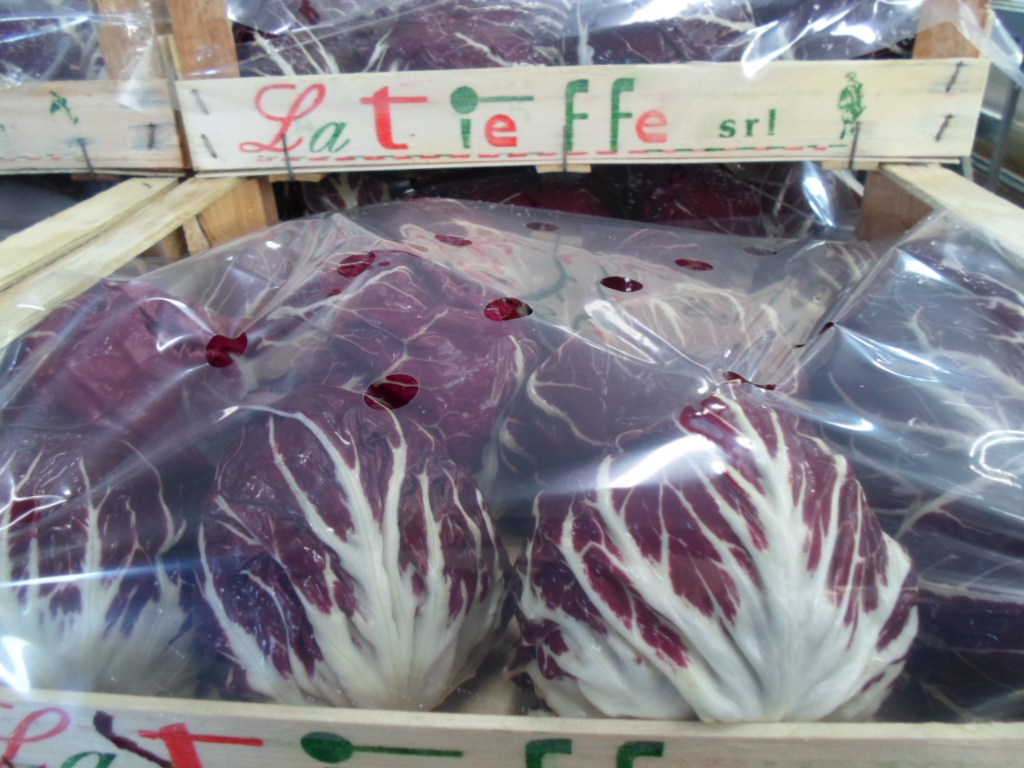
x=181 y=745
x=382 y=101
x=653 y=118
x=500 y=131
x=296 y=112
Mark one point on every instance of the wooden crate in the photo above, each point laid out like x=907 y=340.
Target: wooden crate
x=484 y=726
x=122 y=125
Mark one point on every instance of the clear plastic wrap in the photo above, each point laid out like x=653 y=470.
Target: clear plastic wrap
x=44 y=40
x=919 y=380
x=757 y=200
x=279 y=470
x=317 y=36
x=297 y=469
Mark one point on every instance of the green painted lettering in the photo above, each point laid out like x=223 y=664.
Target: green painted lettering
x=727 y=129
x=331 y=143
x=751 y=122
x=631 y=750
x=331 y=748
x=771 y=122
x=620 y=85
x=464 y=100
x=571 y=116
x=467 y=127
x=536 y=750
x=103 y=759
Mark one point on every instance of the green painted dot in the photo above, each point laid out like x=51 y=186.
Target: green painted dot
x=464 y=100
x=327 y=747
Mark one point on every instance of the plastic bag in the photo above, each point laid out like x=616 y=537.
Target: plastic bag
x=239 y=449
x=63 y=40
x=786 y=200
x=326 y=37
x=918 y=380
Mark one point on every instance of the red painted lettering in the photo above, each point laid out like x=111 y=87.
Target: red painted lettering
x=299 y=108
x=23 y=731
x=382 y=101
x=653 y=118
x=497 y=131
x=181 y=745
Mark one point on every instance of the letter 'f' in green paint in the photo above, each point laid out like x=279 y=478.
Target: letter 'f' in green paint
x=536 y=750
x=620 y=85
x=631 y=750
x=571 y=116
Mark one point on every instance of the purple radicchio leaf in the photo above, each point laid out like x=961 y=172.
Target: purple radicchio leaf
x=87 y=598
x=347 y=560
x=729 y=569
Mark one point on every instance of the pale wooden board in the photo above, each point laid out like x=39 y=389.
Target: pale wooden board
x=27 y=302
x=27 y=251
x=204 y=47
x=941 y=188
x=58 y=729
x=89 y=125
x=331 y=123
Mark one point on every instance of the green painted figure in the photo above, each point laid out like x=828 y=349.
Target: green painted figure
x=851 y=104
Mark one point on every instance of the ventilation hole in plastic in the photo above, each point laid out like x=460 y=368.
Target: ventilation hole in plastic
x=453 y=240
x=755 y=250
x=696 y=266
x=733 y=376
x=392 y=392
x=220 y=348
x=542 y=226
x=826 y=327
x=507 y=309
x=356 y=265
x=624 y=284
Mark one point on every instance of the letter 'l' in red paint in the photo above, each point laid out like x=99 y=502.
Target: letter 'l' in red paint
x=23 y=731
x=382 y=101
x=296 y=112
x=181 y=745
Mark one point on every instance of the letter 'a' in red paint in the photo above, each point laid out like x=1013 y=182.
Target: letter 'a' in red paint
x=299 y=109
x=381 y=102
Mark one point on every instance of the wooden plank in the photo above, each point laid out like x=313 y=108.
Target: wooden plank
x=895 y=210
x=943 y=189
x=888 y=210
x=29 y=301
x=697 y=112
x=127 y=34
x=88 y=125
x=27 y=251
x=205 y=47
x=65 y=728
x=940 y=36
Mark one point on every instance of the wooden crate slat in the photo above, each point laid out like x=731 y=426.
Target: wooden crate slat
x=88 y=125
x=192 y=734
x=27 y=251
x=25 y=303
x=697 y=112
x=942 y=189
